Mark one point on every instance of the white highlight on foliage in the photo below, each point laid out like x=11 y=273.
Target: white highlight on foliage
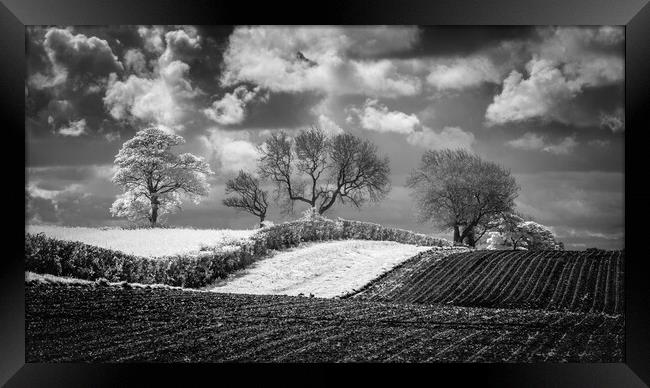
x=515 y=233
x=326 y=269
x=147 y=242
x=152 y=177
x=296 y=59
x=74 y=128
x=463 y=73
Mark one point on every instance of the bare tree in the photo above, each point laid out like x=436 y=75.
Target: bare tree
x=250 y=197
x=320 y=170
x=458 y=190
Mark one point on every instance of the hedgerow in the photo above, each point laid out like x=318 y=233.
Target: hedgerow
x=75 y=259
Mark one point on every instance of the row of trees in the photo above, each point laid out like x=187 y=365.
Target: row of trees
x=315 y=169
x=454 y=189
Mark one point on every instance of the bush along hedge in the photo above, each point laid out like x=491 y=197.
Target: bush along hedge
x=83 y=261
x=318 y=228
x=75 y=259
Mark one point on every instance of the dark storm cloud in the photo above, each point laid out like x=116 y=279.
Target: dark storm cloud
x=66 y=79
x=75 y=60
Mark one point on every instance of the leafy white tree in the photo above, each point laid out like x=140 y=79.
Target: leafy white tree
x=154 y=179
x=514 y=232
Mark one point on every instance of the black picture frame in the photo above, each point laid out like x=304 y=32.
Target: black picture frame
x=634 y=14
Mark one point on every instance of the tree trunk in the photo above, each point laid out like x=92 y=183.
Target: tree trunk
x=154 y=212
x=262 y=216
x=457 y=238
x=471 y=237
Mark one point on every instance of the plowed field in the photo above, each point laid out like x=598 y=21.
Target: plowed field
x=550 y=280
x=81 y=323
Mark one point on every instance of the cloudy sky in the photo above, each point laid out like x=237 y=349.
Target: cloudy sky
x=545 y=102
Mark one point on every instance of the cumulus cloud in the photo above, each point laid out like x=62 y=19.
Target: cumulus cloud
x=314 y=59
x=562 y=148
x=530 y=141
x=164 y=97
x=328 y=125
x=448 y=137
x=581 y=53
x=534 y=97
x=376 y=117
x=135 y=62
x=565 y=62
x=231 y=151
x=380 y=78
x=152 y=38
x=462 y=73
x=73 y=56
x=182 y=44
x=74 y=129
x=230 y=109
x=615 y=122
x=35 y=190
x=164 y=100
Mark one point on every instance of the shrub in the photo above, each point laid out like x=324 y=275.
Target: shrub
x=79 y=260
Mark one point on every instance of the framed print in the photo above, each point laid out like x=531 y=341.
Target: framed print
x=386 y=189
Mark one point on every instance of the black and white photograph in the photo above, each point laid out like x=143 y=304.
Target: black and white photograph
x=324 y=194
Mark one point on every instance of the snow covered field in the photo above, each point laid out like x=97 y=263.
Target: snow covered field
x=146 y=242
x=325 y=269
